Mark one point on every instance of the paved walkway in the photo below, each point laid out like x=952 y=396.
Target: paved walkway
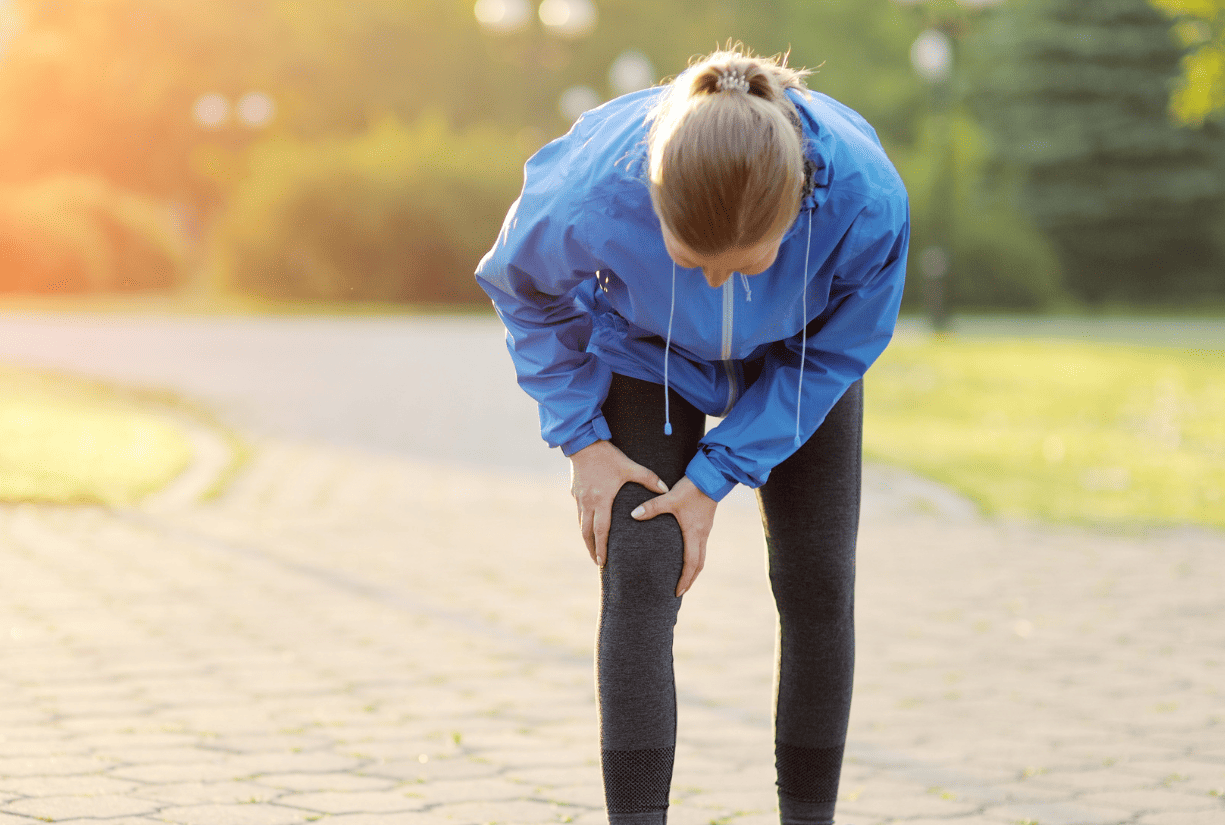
x=358 y=636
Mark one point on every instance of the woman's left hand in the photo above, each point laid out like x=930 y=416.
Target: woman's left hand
x=695 y=512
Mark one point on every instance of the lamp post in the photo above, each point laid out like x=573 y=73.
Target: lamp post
x=562 y=21
x=228 y=127
x=933 y=55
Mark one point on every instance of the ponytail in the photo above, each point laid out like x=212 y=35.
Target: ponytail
x=726 y=152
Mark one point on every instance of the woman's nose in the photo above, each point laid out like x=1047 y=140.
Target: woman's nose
x=716 y=277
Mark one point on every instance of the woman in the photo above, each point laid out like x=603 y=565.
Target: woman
x=729 y=245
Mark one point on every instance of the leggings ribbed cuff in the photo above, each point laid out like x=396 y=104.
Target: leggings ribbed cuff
x=636 y=785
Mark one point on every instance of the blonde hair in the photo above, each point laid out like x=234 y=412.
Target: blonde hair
x=726 y=153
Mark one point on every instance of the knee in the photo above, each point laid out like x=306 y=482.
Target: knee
x=824 y=600
x=644 y=557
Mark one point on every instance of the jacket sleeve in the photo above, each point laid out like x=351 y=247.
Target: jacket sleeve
x=531 y=275
x=843 y=341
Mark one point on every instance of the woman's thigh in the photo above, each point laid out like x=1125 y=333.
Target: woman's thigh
x=810 y=511
x=634 y=410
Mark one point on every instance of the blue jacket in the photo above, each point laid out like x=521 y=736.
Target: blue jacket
x=581 y=279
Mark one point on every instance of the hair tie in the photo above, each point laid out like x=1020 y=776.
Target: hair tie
x=732 y=80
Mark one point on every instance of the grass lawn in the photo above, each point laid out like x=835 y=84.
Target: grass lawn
x=68 y=441
x=1058 y=430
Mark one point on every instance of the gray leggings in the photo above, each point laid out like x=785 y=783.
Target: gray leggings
x=810 y=511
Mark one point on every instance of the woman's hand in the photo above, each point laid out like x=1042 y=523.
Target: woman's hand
x=695 y=512
x=596 y=475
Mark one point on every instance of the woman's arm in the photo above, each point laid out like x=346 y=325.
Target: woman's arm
x=530 y=277
x=848 y=336
x=531 y=273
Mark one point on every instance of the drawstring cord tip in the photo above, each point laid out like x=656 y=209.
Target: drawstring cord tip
x=668 y=429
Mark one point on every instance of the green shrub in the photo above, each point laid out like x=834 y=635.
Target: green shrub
x=75 y=233
x=400 y=213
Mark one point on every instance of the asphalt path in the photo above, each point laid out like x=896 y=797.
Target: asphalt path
x=438 y=388
x=431 y=387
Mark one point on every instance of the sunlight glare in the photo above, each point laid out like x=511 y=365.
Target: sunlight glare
x=932 y=56
x=256 y=109
x=568 y=18
x=630 y=72
x=502 y=16
x=211 y=110
x=9 y=23
x=576 y=100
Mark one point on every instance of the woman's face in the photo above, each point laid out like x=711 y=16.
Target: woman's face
x=752 y=260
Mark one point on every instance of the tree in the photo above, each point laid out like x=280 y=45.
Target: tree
x=107 y=86
x=1076 y=94
x=1201 y=28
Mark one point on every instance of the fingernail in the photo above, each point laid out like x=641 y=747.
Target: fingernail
x=663 y=487
x=681 y=593
x=638 y=512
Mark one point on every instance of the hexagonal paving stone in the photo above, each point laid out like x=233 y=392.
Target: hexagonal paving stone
x=75 y=807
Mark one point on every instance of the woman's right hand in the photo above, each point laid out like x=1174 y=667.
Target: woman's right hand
x=596 y=475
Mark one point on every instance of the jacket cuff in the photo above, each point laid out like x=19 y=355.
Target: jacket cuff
x=588 y=434
x=707 y=479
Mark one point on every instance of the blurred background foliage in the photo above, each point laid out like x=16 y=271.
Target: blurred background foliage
x=1078 y=94
x=1058 y=152
x=396 y=213
x=77 y=233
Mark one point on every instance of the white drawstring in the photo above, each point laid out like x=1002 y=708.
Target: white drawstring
x=667 y=352
x=799 y=395
x=748 y=297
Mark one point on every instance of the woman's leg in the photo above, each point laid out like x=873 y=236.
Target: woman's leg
x=638 y=607
x=810 y=510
